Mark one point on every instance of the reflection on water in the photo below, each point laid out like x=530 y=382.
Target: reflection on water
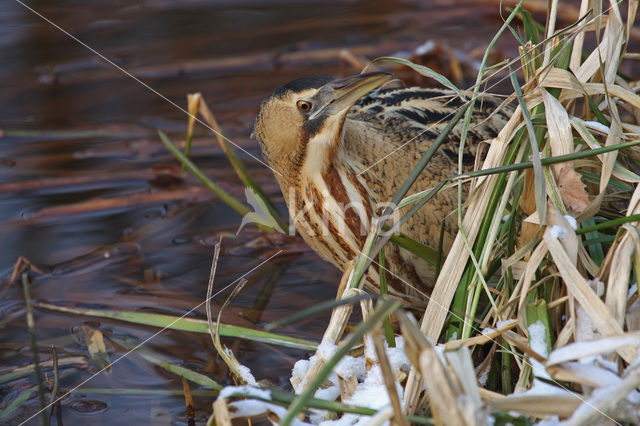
x=89 y=195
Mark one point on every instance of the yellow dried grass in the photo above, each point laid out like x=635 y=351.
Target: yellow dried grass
x=542 y=258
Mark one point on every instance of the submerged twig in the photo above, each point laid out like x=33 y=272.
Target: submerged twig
x=34 y=348
x=238 y=370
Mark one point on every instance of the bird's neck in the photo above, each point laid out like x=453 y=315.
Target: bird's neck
x=331 y=200
x=321 y=150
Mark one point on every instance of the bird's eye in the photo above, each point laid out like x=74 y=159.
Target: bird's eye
x=304 y=106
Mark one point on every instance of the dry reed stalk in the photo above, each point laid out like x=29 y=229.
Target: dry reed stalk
x=569 y=255
x=333 y=332
x=550 y=259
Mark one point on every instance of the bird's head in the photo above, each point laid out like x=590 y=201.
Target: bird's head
x=300 y=124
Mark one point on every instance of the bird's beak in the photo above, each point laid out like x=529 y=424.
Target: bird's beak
x=340 y=95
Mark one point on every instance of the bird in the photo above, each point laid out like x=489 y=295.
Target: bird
x=341 y=148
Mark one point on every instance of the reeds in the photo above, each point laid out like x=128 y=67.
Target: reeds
x=537 y=296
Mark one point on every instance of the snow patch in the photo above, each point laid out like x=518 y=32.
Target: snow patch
x=538 y=387
x=251 y=391
x=484 y=375
x=330 y=393
x=251 y=407
x=595 y=125
x=558 y=232
x=487 y=330
x=504 y=323
x=349 y=366
x=571 y=221
x=326 y=350
x=246 y=375
x=370 y=392
x=369 y=348
x=538 y=338
x=300 y=368
x=538 y=343
x=398 y=357
x=585 y=330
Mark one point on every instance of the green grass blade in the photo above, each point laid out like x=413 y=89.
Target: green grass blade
x=178 y=370
x=286 y=398
x=227 y=198
x=427 y=253
x=187 y=324
x=420 y=165
x=162 y=362
x=34 y=346
x=591 y=243
x=25 y=395
x=210 y=393
x=406 y=201
x=609 y=224
x=244 y=176
x=363 y=260
x=384 y=291
x=537 y=312
x=546 y=161
x=539 y=180
x=420 y=69
x=385 y=308
x=316 y=309
x=530 y=27
x=16 y=403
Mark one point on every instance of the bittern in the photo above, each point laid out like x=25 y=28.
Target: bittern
x=340 y=149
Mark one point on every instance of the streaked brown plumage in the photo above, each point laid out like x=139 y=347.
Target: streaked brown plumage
x=334 y=143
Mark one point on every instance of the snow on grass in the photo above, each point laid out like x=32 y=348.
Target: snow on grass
x=558 y=232
x=571 y=221
x=595 y=125
x=505 y=323
x=484 y=376
x=251 y=391
x=251 y=407
x=487 y=330
x=246 y=375
x=326 y=350
x=300 y=368
x=398 y=356
x=370 y=392
x=538 y=387
x=584 y=350
x=330 y=393
x=585 y=330
x=349 y=366
x=538 y=343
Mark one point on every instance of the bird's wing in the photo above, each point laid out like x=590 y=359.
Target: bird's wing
x=387 y=132
x=409 y=119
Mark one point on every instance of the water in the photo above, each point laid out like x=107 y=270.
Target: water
x=91 y=198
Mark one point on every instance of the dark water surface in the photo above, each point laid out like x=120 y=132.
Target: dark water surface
x=90 y=196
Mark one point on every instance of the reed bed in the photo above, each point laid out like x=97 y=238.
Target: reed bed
x=534 y=317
